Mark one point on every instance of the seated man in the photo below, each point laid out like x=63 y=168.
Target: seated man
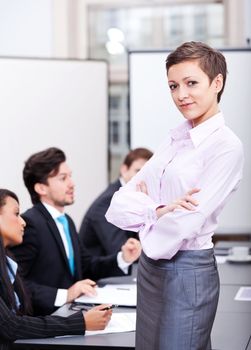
x=96 y=233
x=51 y=259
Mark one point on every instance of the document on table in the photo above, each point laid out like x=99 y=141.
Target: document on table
x=120 y=294
x=120 y=322
x=221 y=259
x=243 y=294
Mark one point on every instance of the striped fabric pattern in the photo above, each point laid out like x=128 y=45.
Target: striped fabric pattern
x=14 y=327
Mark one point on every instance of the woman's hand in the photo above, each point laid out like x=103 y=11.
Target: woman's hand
x=96 y=319
x=141 y=187
x=187 y=202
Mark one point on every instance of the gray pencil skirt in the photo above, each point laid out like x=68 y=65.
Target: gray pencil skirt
x=177 y=301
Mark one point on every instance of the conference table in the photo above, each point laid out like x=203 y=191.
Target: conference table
x=231 y=329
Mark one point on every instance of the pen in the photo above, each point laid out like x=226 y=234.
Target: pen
x=109 y=307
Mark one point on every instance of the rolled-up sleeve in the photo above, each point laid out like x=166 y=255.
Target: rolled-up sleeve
x=162 y=238
x=131 y=210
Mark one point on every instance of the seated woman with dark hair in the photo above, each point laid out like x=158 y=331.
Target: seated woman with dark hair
x=16 y=321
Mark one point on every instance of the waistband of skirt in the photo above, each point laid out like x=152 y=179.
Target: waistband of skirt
x=185 y=259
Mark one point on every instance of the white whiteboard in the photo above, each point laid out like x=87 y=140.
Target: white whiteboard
x=61 y=103
x=153 y=113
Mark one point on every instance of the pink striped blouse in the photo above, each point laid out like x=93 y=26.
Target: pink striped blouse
x=209 y=157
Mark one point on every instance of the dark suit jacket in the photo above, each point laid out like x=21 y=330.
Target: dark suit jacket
x=96 y=233
x=43 y=263
x=16 y=327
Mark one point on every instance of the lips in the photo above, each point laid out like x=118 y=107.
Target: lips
x=70 y=193
x=186 y=105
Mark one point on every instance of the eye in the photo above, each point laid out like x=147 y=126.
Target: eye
x=62 y=178
x=172 y=86
x=192 y=83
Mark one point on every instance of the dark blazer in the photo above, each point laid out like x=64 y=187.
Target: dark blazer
x=19 y=327
x=43 y=262
x=96 y=233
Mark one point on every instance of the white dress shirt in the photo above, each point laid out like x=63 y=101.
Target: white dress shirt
x=61 y=296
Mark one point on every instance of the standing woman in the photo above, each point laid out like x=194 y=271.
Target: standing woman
x=14 y=304
x=174 y=202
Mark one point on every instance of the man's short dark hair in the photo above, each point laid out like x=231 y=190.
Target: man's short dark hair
x=135 y=154
x=39 y=167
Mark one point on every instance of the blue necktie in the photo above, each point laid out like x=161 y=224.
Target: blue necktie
x=63 y=220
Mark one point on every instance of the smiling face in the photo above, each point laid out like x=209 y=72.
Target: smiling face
x=11 y=223
x=192 y=92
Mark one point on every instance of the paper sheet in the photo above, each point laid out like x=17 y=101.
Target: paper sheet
x=221 y=259
x=120 y=294
x=120 y=322
x=243 y=294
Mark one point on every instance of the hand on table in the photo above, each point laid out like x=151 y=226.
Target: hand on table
x=86 y=287
x=96 y=319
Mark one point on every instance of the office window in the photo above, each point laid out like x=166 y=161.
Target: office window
x=115 y=102
x=114 y=132
x=144 y=28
